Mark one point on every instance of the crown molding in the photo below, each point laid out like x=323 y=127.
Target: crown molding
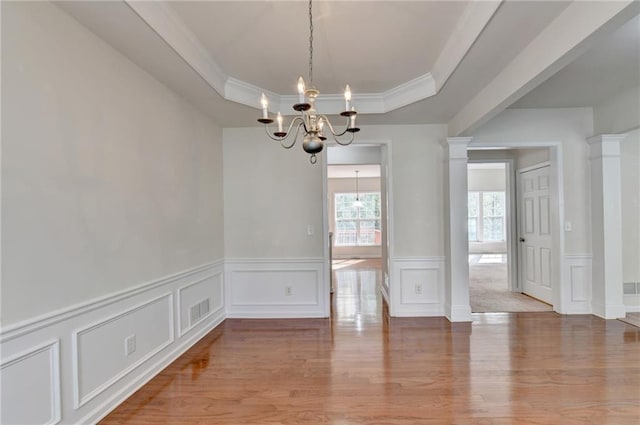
x=474 y=19
x=167 y=25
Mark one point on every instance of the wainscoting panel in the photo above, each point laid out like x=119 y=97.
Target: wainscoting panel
x=75 y=365
x=30 y=384
x=577 y=296
x=417 y=286
x=148 y=327
x=198 y=300
x=270 y=288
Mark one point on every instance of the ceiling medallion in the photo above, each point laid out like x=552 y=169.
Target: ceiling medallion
x=312 y=124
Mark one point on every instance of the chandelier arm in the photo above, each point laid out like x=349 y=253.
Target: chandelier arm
x=295 y=139
x=353 y=136
x=331 y=129
x=280 y=139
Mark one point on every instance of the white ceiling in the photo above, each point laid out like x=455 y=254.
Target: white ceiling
x=266 y=43
x=372 y=45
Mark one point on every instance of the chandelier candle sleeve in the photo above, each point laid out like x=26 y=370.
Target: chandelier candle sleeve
x=279 y=119
x=265 y=104
x=347 y=98
x=300 y=90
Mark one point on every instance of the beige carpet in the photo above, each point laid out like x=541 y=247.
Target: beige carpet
x=489 y=293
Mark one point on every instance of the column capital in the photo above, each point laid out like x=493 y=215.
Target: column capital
x=605 y=145
x=459 y=140
x=605 y=138
x=457 y=147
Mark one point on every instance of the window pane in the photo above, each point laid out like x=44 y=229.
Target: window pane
x=371 y=205
x=493 y=229
x=473 y=229
x=345 y=233
x=368 y=233
x=493 y=204
x=344 y=206
x=473 y=203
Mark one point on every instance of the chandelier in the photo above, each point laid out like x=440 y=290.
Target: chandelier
x=309 y=122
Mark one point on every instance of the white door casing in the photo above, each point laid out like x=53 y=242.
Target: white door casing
x=534 y=233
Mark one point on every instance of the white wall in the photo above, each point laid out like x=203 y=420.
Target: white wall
x=274 y=267
x=528 y=157
x=287 y=192
x=417 y=171
x=108 y=178
x=630 y=191
x=486 y=180
x=272 y=195
x=346 y=185
x=112 y=221
x=571 y=127
x=618 y=114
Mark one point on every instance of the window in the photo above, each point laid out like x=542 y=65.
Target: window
x=357 y=226
x=486 y=216
x=474 y=207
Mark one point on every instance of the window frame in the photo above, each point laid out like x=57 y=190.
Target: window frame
x=358 y=219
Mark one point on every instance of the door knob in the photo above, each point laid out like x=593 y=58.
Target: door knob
x=521 y=239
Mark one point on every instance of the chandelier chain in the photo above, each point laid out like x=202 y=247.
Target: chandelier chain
x=310 y=44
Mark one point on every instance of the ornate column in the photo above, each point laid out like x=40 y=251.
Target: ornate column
x=606 y=226
x=457 y=307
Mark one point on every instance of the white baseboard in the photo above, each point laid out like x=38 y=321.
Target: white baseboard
x=276 y=288
x=460 y=313
x=57 y=353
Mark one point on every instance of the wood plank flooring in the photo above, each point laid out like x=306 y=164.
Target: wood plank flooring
x=363 y=367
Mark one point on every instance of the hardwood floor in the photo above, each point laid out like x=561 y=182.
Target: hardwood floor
x=363 y=367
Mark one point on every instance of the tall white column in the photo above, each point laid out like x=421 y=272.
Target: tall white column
x=606 y=226
x=457 y=307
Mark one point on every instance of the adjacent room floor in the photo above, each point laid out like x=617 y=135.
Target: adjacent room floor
x=489 y=291
x=363 y=367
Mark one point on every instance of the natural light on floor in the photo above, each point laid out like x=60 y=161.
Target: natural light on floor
x=487 y=258
x=340 y=264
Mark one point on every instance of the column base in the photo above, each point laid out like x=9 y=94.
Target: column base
x=458 y=313
x=609 y=311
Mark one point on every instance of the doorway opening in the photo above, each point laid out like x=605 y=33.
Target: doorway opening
x=494 y=284
x=355 y=219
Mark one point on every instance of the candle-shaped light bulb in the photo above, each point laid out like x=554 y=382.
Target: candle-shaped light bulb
x=352 y=122
x=320 y=124
x=279 y=119
x=301 y=90
x=347 y=97
x=265 y=104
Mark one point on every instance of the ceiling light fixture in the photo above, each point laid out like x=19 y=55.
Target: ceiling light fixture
x=358 y=203
x=311 y=123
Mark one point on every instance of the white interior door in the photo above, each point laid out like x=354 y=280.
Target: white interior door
x=534 y=233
